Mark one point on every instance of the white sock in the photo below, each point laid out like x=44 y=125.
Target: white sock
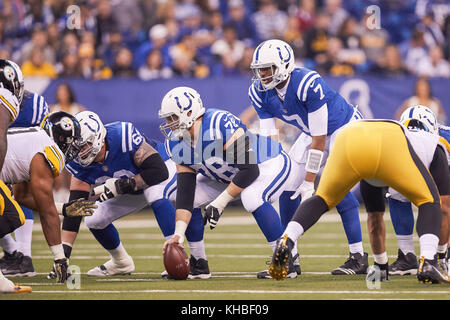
x=294 y=230
x=356 y=247
x=428 y=245
x=406 y=243
x=9 y=244
x=442 y=248
x=23 y=236
x=381 y=258
x=273 y=245
x=118 y=253
x=294 y=250
x=197 y=249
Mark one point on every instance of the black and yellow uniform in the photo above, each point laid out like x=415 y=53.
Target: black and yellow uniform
x=11 y=215
x=377 y=153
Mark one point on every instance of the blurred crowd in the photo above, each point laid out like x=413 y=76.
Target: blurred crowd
x=152 y=39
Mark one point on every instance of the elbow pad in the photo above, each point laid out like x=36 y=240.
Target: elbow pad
x=154 y=170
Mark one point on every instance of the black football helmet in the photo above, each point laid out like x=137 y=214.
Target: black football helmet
x=11 y=78
x=65 y=130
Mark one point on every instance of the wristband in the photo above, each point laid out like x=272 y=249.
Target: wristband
x=180 y=230
x=314 y=161
x=222 y=200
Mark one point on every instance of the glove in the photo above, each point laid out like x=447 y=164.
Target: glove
x=113 y=187
x=60 y=266
x=306 y=190
x=212 y=215
x=78 y=208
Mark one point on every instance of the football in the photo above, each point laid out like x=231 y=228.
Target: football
x=176 y=262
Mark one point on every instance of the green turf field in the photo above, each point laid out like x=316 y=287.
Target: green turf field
x=236 y=251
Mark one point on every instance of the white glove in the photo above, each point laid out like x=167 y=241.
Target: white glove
x=108 y=190
x=306 y=190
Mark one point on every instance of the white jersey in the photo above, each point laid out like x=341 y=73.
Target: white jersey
x=23 y=145
x=424 y=145
x=10 y=102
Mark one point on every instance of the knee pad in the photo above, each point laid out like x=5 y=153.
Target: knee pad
x=251 y=202
x=71 y=224
x=349 y=202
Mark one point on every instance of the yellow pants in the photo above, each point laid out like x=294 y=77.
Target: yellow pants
x=375 y=150
x=11 y=215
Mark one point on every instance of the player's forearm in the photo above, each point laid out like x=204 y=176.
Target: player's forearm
x=318 y=143
x=51 y=226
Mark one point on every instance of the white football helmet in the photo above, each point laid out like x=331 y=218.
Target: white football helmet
x=93 y=134
x=274 y=54
x=420 y=117
x=180 y=107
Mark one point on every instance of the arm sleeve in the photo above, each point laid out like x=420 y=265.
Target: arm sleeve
x=245 y=160
x=439 y=171
x=186 y=182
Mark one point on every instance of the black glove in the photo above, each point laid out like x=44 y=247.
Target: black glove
x=114 y=187
x=212 y=215
x=61 y=267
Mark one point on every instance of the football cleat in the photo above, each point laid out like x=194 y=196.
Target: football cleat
x=21 y=289
x=355 y=264
x=294 y=270
x=17 y=265
x=164 y=274
x=7 y=286
x=199 y=269
x=429 y=271
x=378 y=272
x=405 y=264
x=113 y=268
x=281 y=259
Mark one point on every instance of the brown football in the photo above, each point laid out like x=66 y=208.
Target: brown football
x=176 y=262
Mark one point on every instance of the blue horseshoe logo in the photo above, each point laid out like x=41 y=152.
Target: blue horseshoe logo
x=180 y=106
x=281 y=57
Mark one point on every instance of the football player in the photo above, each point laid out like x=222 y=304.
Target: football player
x=34 y=158
x=378 y=153
x=128 y=173
x=219 y=160
x=17 y=252
x=300 y=97
x=11 y=95
x=417 y=118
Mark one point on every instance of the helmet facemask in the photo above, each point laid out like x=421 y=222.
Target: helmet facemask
x=266 y=82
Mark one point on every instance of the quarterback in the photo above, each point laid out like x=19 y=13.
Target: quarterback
x=301 y=97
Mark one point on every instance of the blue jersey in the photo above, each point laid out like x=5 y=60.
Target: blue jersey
x=306 y=93
x=32 y=112
x=123 y=140
x=208 y=157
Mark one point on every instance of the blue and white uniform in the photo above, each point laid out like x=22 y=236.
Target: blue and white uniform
x=307 y=102
x=32 y=112
x=209 y=160
x=123 y=140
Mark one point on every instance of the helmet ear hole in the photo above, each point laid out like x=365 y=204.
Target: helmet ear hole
x=189 y=113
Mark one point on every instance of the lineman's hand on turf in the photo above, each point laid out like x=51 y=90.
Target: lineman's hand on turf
x=61 y=267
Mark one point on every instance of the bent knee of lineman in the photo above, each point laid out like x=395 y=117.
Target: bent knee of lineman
x=96 y=221
x=12 y=217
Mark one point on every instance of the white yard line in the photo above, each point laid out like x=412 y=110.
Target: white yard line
x=371 y=292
